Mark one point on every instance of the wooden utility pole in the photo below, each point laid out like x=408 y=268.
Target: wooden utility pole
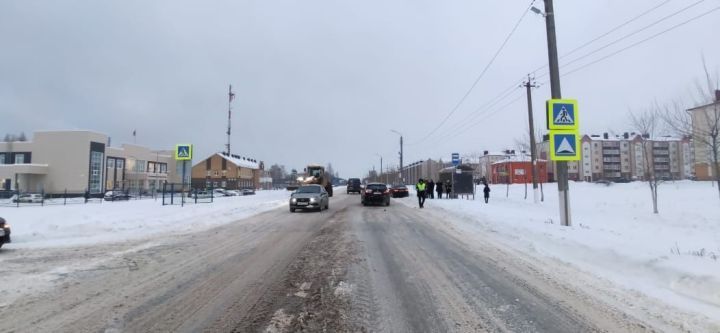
x=533 y=149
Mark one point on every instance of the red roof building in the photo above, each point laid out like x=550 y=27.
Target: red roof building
x=517 y=170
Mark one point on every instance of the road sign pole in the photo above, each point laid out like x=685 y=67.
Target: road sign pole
x=533 y=150
x=562 y=169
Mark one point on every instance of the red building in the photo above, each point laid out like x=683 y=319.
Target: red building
x=517 y=170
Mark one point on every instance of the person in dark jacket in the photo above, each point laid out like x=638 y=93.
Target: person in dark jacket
x=439 y=189
x=486 y=191
x=448 y=189
x=431 y=189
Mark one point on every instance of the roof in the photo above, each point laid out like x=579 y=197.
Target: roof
x=518 y=158
x=704 y=106
x=240 y=161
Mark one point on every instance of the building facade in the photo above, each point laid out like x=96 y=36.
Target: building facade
x=75 y=162
x=232 y=172
x=705 y=121
x=517 y=170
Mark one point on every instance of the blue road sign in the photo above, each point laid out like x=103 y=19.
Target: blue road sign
x=564 y=146
x=562 y=114
x=456 y=159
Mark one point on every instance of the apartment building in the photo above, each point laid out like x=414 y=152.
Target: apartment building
x=624 y=158
x=705 y=120
x=77 y=161
x=517 y=169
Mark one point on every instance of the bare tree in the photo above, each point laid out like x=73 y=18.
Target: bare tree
x=22 y=137
x=646 y=123
x=703 y=125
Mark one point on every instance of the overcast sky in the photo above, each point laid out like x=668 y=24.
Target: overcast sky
x=325 y=81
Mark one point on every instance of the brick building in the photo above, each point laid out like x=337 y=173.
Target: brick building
x=221 y=170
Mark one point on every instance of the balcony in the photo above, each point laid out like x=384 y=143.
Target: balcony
x=661 y=160
x=611 y=159
x=611 y=151
x=661 y=152
x=611 y=167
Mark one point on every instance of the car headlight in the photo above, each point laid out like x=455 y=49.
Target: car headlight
x=293 y=200
x=313 y=199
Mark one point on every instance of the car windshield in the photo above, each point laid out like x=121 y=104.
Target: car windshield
x=380 y=187
x=309 y=189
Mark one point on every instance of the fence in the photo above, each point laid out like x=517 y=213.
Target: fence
x=180 y=194
x=20 y=199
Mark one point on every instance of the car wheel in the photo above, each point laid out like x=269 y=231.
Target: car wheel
x=292 y=210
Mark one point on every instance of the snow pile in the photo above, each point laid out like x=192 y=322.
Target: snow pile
x=673 y=256
x=83 y=224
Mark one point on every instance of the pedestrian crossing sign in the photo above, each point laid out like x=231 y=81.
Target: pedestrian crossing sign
x=564 y=146
x=183 y=152
x=562 y=114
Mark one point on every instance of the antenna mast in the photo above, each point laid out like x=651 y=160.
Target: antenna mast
x=231 y=96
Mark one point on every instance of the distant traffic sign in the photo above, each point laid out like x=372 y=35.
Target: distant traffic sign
x=456 y=159
x=183 y=152
x=564 y=146
x=562 y=114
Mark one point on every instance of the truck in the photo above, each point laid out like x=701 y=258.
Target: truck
x=314 y=174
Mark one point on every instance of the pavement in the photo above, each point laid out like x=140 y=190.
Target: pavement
x=349 y=268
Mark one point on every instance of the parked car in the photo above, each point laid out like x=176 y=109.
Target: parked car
x=354 y=186
x=200 y=194
x=310 y=197
x=116 y=196
x=4 y=232
x=375 y=193
x=399 y=191
x=232 y=193
x=28 y=198
x=219 y=192
x=248 y=191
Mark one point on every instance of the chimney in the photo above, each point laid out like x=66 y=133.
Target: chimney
x=626 y=135
x=485 y=152
x=605 y=136
x=717 y=95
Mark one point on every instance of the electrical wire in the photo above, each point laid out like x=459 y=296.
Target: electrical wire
x=482 y=74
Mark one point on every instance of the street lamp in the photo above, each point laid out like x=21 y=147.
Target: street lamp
x=402 y=174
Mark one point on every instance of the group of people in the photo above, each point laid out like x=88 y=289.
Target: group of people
x=425 y=189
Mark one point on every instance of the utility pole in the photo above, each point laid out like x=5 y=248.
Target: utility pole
x=231 y=96
x=533 y=149
x=402 y=171
x=562 y=168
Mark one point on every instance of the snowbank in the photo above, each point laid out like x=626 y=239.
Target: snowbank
x=84 y=224
x=673 y=256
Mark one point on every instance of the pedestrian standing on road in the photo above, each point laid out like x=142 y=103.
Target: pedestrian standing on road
x=486 y=191
x=439 y=189
x=431 y=189
x=420 y=187
x=448 y=188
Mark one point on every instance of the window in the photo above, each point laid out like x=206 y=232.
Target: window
x=110 y=163
x=2 y=158
x=95 y=183
x=19 y=158
x=208 y=164
x=120 y=164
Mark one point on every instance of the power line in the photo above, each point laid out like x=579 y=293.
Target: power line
x=643 y=40
x=490 y=103
x=616 y=28
x=631 y=34
x=472 y=87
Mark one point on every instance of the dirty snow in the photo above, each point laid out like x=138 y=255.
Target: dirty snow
x=673 y=256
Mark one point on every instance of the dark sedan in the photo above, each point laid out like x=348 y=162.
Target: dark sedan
x=399 y=191
x=375 y=193
x=4 y=232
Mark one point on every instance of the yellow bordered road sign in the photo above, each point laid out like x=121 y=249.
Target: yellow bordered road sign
x=183 y=152
x=562 y=114
x=564 y=145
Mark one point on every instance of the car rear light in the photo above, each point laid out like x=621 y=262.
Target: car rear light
x=368 y=191
x=386 y=191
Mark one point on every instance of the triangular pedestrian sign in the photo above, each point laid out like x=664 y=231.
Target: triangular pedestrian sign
x=183 y=152
x=564 y=117
x=565 y=147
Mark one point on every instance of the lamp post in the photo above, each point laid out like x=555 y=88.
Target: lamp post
x=402 y=172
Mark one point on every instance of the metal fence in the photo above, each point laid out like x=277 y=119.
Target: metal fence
x=181 y=194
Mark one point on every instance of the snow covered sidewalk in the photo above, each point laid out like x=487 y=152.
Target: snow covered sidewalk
x=673 y=256
x=78 y=225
